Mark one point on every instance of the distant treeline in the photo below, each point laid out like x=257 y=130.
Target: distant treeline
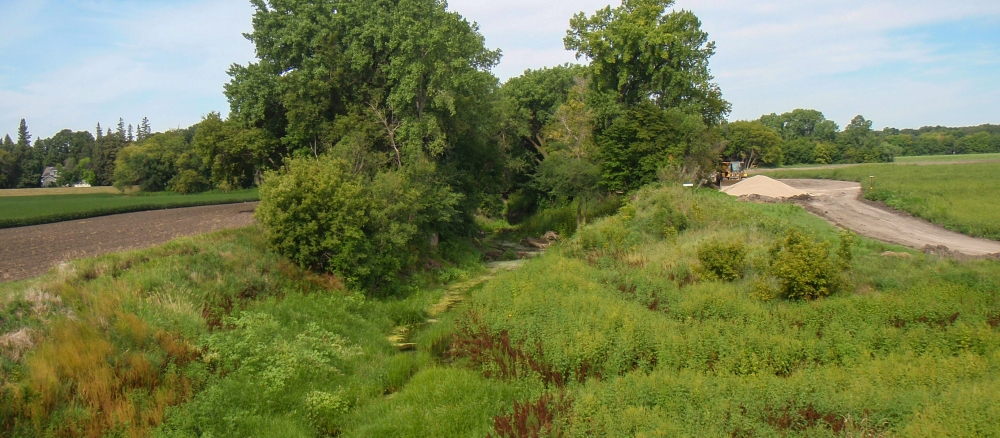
x=78 y=156
x=807 y=137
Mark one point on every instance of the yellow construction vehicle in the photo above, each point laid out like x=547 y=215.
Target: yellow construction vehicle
x=730 y=171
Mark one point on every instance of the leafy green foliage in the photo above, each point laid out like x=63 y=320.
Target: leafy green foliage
x=725 y=260
x=366 y=229
x=641 y=141
x=162 y=161
x=642 y=53
x=385 y=84
x=804 y=268
x=753 y=143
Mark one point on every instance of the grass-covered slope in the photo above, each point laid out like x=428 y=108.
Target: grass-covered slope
x=960 y=197
x=626 y=336
x=18 y=211
x=209 y=336
x=618 y=331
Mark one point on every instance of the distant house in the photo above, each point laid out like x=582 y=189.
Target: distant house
x=49 y=176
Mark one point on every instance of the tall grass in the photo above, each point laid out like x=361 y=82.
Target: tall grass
x=616 y=332
x=209 y=335
x=960 y=196
x=21 y=211
x=620 y=322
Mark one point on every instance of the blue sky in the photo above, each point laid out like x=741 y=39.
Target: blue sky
x=903 y=63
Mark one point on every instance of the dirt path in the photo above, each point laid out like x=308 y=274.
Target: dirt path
x=840 y=203
x=31 y=251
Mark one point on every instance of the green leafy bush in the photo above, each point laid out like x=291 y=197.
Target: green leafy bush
x=803 y=267
x=365 y=228
x=189 y=181
x=725 y=260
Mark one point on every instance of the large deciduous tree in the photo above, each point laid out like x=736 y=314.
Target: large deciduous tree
x=397 y=93
x=643 y=53
x=652 y=93
x=754 y=143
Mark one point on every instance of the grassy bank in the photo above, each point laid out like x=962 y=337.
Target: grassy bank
x=212 y=335
x=961 y=197
x=623 y=330
x=18 y=211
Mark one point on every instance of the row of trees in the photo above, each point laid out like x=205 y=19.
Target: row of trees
x=79 y=156
x=807 y=137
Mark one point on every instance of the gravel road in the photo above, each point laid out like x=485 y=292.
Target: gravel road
x=27 y=252
x=840 y=203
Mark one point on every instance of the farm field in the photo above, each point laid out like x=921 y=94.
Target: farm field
x=16 y=211
x=58 y=191
x=630 y=328
x=948 y=158
x=960 y=197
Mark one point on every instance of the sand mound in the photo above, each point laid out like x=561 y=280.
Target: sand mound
x=763 y=186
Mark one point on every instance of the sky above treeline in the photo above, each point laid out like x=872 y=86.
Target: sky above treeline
x=901 y=63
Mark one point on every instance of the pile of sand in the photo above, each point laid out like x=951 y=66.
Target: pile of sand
x=763 y=186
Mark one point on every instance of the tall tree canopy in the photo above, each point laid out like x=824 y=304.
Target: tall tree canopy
x=654 y=103
x=641 y=52
x=415 y=74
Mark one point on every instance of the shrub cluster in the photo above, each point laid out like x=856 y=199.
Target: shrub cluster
x=367 y=228
x=725 y=260
x=804 y=268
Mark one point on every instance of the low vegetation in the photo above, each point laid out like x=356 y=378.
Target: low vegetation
x=212 y=335
x=20 y=211
x=618 y=331
x=960 y=196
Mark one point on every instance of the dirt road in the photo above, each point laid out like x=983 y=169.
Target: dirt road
x=839 y=202
x=31 y=251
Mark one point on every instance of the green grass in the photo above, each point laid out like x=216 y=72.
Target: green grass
x=621 y=323
x=33 y=210
x=614 y=332
x=961 y=197
x=947 y=158
x=212 y=335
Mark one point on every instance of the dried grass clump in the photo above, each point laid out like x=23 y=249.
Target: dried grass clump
x=14 y=345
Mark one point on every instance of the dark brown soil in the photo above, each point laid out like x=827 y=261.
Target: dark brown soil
x=27 y=252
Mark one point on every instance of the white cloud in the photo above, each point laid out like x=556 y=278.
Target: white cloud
x=529 y=32
x=778 y=55
x=843 y=57
x=168 y=63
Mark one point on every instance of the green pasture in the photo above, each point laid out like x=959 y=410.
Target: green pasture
x=961 y=197
x=19 y=211
x=617 y=331
x=947 y=158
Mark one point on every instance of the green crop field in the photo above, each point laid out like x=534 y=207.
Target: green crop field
x=630 y=328
x=948 y=158
x=16 y=211
x=961 y=197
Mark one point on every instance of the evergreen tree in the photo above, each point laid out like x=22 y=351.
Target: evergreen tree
x=8 y=163
x=100 y=134
x=23 y=137
x=144 y=129
x=121 y=128
x=131 y=138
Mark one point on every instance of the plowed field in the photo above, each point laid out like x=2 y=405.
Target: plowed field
x=31 y=251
